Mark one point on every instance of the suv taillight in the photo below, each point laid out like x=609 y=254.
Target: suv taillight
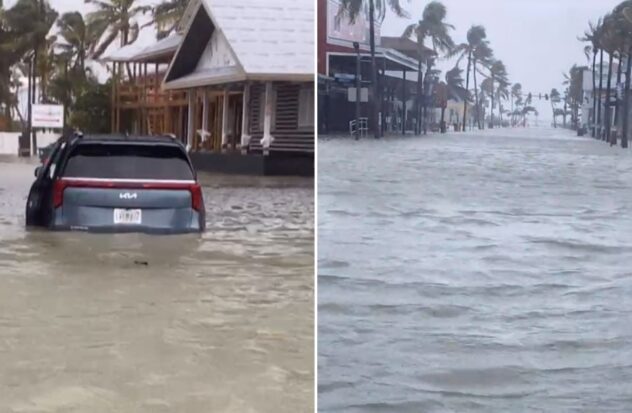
x=58 y=193
x=196 y=196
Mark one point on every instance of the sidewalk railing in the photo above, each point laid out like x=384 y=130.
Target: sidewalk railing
x=359 y=128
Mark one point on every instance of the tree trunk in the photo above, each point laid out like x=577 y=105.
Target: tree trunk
x=420 y=78
x=594 y=94
x=608 y=110
x=626 y=94
x=617 y=108
x=376 y=109
x=599 y=105
x=467 y=86
x=554 y=117
x=426 y=98
x=478 y=109
x=443 y=128
x=491 y=121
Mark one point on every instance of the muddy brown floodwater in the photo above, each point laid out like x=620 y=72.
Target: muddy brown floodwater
x=221 y=322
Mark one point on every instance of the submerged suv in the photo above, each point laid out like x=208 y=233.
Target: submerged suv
x=117 y=184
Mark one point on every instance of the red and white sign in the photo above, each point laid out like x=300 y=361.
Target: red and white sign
x=48 y=116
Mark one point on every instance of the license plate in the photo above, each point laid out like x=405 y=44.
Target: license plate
x=128 y=216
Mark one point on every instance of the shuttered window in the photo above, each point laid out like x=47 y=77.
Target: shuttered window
x=306 y=107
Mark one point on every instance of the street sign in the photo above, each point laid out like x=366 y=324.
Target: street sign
x=48 y=116
x=352 y=94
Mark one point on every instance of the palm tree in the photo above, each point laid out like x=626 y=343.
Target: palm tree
x=454 y=84
x=592 y=36
x=611 y=39
x=516 y=97
x=482 y=54
x=26 y=26
x=351 y=9
x=112 y=19
x=497 y=71
x=475 y=36
x=502 y=92
x=77 y=39
x=432 y=26
x=166 y=16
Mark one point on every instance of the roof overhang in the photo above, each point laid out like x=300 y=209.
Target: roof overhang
x=159 y=52
x=388 y=59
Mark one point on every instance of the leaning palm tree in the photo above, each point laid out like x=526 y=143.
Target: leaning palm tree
x=502 y=93
x=113 y=19
x=516 y=97
x=475 y=36
x=454 y=85
x=497 y=72
x=592 y=36
x=432 y=27
x=75 y=39
x=350 y=9
x=484 y=55
x=611 y=39
x=166 y=16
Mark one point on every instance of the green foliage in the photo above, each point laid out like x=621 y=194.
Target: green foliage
x=91 y=110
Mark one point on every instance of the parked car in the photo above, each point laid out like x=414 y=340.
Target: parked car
x=117 y=184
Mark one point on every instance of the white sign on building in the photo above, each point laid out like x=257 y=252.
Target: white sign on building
x=352 y=94
x=48 y=116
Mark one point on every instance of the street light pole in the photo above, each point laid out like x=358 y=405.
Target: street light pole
x=377 y=129
x=358 y=85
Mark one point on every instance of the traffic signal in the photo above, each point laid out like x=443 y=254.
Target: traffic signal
x=546 y=96
x=540 y=96
x=529 y=96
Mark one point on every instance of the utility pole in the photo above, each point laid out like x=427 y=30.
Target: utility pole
x=358 y=85
x=377 y=129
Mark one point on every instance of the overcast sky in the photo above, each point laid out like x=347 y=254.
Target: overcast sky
x=536 y=39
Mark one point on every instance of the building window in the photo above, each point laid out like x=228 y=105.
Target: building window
x=306 y=107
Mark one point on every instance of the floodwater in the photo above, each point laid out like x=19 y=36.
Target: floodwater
x=477 y=272
x=221 y=322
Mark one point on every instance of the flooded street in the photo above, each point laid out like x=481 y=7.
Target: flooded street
x=221 y=322
x=477 y=272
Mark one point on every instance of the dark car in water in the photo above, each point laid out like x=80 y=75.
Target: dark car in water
x=117 y=184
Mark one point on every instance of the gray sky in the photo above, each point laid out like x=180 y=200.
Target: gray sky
x=536 y=39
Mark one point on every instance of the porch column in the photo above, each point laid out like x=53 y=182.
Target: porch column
x=267 y=139
x=245 y=121
x=191 y=118
x=404 y=104
x=204 y=133
x=225 y=110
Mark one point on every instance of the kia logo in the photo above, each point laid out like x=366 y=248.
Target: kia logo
x=128 y=195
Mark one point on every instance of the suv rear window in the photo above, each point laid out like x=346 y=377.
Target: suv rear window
x=116 y=161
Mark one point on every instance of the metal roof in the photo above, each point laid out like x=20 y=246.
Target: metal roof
x=271 y=40
x=136 y=52
x=272 y=36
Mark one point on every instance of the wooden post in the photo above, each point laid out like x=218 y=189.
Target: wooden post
x=119 y=79
x=267 y=139
x=113 y=100
x=191 y=118
x=245 y=121
x=205 y=107
x=225 y=112
x=404 y=104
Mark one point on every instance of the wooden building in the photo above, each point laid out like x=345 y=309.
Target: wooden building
x=238 y=79
x=247 y=69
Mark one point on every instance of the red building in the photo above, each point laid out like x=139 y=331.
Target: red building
x=396 y=65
